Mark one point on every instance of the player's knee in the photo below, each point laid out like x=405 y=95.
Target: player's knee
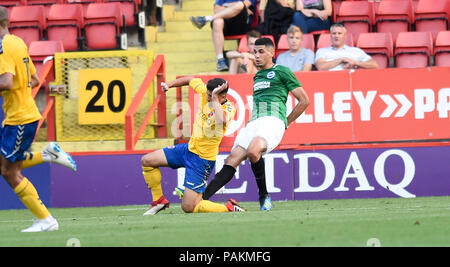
x=188 y=207
x=239 y=6
x=6 y=173
x=231 y=161
x=218 y=24
x=10 y=176
x=228 y=161
x=147 y=161
x=253 y=155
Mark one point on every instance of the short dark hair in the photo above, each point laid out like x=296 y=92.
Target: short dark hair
x=214 y=83
x=264 y=41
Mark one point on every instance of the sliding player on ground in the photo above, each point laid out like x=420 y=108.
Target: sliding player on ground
x=199 y=155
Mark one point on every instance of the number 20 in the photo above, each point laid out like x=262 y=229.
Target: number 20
x=93 y=107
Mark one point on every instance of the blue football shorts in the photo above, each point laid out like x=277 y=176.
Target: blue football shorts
x=16 y=140
x=197 y=169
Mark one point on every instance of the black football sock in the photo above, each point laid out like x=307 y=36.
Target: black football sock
x=259 y=170
x=220 y=179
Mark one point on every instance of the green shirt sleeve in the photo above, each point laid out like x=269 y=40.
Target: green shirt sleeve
x=289 y=79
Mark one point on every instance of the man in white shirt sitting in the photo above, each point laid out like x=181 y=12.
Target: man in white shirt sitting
x=340 y=56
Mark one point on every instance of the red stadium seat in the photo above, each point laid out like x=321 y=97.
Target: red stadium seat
x=40 y=50
x=129 y=10
x=11 y=3
x=234 y=37
x=379 y=46
x=45 y=3
x=8 y=4
x=357 y=16
x=308 y=42
x=64 y=23
x=103 y=23
x=432 y=16
x=243 y=42
x=394 y=17
x=283 y=46
x=42 y=2
x=336 y=5
x=413 y=49
x=28 y=22
x=325 y=40
x=243 y=45
x=84 y=3
x=442 y=49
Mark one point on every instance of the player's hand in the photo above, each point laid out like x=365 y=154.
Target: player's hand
x=164 y=87
x=220 y=88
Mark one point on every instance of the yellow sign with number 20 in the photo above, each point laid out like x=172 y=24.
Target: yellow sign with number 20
x=103 y=95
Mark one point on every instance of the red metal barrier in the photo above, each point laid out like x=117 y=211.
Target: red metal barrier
x=49 y=111
x=156 y=70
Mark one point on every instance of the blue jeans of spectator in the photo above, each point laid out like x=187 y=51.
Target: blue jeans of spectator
x=310 y=24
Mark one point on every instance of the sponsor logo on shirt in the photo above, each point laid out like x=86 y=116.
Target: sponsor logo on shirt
x=261 y=85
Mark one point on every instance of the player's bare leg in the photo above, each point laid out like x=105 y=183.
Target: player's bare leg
x=155 y=159
x=190 y=200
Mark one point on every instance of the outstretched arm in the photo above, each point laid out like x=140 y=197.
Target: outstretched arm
x=176 y=83
x=303 y=103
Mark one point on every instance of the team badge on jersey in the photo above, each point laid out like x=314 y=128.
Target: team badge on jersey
x=271 y=74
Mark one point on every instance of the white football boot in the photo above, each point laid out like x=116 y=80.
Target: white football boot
x=161 y=204
x=44 y=225
x=58 y=156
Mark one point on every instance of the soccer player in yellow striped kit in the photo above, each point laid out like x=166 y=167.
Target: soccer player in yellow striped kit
x=199 y=155
x=17 y=77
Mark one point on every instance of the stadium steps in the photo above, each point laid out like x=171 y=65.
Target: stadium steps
x=187 y=50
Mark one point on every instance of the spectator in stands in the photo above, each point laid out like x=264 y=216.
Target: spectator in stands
x=297 y=58
x=313 y=15
x=340 y=56
x=231 y=17
x=275 y=17
x=244 y=62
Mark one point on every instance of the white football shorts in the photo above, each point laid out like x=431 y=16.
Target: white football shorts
x=270 y=128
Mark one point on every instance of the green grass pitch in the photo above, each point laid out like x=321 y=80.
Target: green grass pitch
x=422 y=221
